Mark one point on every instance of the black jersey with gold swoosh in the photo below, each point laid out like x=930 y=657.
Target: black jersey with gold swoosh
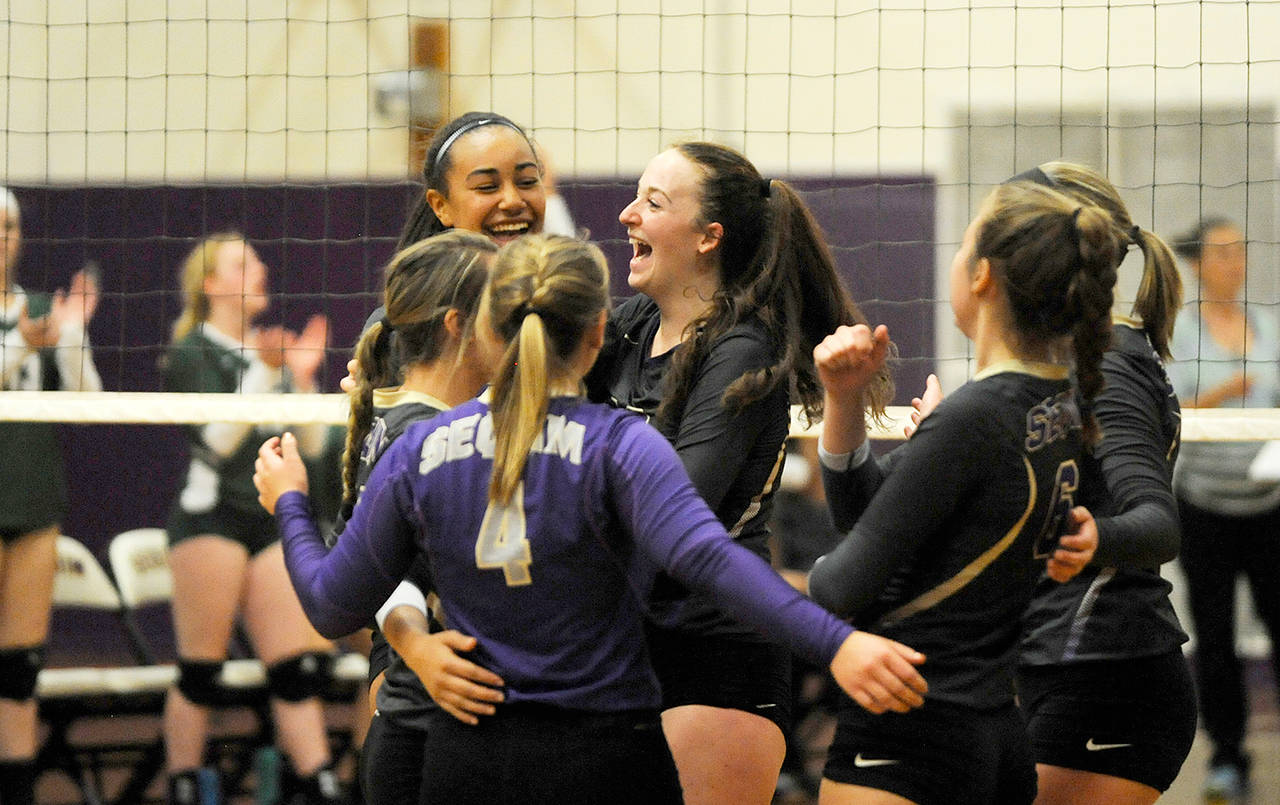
x=1119 y=607
x=946 y=553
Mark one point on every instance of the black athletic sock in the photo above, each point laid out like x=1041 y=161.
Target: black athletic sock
x=17 y=782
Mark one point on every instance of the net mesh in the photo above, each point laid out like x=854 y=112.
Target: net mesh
x=132 y=129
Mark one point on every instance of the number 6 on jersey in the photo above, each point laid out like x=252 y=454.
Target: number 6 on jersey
x=502 y=542
x=1065 y=485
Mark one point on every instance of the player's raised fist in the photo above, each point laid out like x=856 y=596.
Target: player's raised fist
x=850 y=357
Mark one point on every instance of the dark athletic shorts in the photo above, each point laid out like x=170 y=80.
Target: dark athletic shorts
x=730 y=672
x=392 y=762
x=939 y=754
x=1132 y=718
x=8 y=536
x=256 y=531
x=541 y=755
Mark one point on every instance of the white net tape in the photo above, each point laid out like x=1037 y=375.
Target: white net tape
x=86 y=408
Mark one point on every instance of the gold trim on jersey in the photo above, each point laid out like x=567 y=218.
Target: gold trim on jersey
x=753 y=508
x=1044 y=371
x=974 y=568
x=391 y=396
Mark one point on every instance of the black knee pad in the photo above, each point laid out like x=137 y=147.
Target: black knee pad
x=300 y=677
x=198 y=681
x=19 y=668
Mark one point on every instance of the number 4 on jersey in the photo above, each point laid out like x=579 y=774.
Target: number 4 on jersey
x=1064 y=488
x=502 y=542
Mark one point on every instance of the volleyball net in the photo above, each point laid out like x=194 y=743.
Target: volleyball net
x=132 y=130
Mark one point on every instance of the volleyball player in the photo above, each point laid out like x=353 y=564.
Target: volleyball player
x=958 y=522
x=736 y=287
x=39 y=349
x=1109 y=701
x=432 y=293
x=218 y=533
x=543 y=518
x=482 y=173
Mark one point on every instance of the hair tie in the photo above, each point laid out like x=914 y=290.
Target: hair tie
x=765 y=187
x=1075 y=227
x=1135 y=235
x=387 y=326
x=524 y=309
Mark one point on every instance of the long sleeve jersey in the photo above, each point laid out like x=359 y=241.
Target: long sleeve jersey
x=1118 y=606
x=552 y=583
x=734 y=457
x=949 y=537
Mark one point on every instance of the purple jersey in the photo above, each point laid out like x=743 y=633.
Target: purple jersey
x=551 y=583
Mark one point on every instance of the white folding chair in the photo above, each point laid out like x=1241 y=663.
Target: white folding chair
x=69 y=695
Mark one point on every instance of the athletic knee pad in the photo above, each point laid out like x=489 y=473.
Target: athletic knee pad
x=300 y=677
x=19 y=668
x=198 y=681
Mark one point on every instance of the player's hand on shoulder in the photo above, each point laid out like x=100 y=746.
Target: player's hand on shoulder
x=348 y=383
x=850 y=357
x=1076 y=547
x=924 y=404
x=463 y=689
x=278 y=469
x=879 y=674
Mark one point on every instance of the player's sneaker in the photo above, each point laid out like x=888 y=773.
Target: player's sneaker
x=1226 y=783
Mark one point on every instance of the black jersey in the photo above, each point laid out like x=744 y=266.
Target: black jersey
x=734 y=458
x=402 y=695
x=950 y=545
x=1118 y=606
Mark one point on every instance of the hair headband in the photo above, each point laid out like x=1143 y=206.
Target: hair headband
x=472 y=126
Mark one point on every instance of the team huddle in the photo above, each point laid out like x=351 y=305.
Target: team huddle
x=556 y=510
x=592 y=525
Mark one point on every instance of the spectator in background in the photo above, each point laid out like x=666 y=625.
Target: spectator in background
x=1227 y=354
x=43 y=346
x=224 y=552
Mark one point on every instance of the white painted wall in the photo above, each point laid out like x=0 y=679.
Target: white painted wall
x=144 y=90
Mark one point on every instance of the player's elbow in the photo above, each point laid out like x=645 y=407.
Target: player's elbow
x=825 y=590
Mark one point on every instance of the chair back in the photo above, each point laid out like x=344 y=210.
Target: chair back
x=79 y=580
x=140 y=562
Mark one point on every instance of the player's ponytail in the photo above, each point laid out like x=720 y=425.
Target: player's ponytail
x=195 y=269
x=1092 y=294
x=545 y=291
x=1160 y=291
x=424 y=282
x=1056 y=261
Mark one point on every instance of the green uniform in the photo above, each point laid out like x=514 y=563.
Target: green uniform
x=33 y=494
x=218 y=496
